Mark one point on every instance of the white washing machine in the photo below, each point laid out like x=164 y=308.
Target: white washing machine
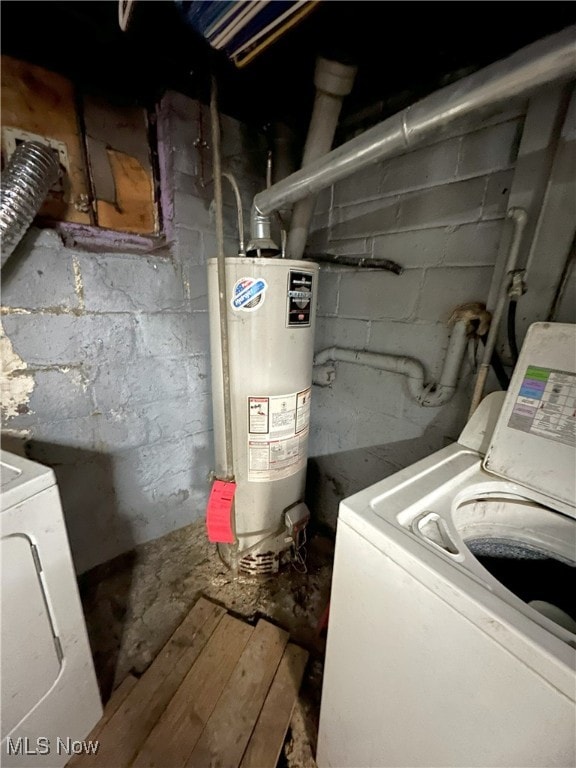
x=453 y=613
x=49 y=692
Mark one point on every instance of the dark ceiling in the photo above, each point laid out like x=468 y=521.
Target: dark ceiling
x=404 y=50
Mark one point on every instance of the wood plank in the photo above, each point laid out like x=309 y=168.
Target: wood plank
x=174 y=737
x=268 y=737
x=224 y=739
x=120 y=166
x=134 y=208
x=114 y=702
x=131 y=724
x=43 y=103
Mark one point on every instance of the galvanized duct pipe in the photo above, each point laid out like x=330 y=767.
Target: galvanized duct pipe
x=429 y=395
x=550 y=59
x=32 y=170
x=333 y=82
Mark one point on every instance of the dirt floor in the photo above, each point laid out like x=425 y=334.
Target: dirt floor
x=134 y=604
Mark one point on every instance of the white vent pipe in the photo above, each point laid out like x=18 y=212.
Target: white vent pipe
x=520 y=218
x=430 y=395
x=333 y=82
x=550 y=59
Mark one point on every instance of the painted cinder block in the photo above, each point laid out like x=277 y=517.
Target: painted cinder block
x=60 y=339
x=128 y=283
x=497 y=193
x=362 y=185
x=364 y=219
x=39 y=277
x=328 y=285
x=455 y=203
x=341 y=332
x=376 y=295
x=454 y=245
x=426 y=167
x=490 y=149
x=445 y=288
x=172 y=334
x=138 y=381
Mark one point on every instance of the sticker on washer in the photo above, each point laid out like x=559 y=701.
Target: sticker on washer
x=248 y=293
x=277 y=435
x=546 y=405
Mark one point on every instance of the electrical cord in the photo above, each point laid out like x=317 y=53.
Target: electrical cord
x=512 y=343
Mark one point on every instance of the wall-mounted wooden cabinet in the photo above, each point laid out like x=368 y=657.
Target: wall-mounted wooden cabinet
x=105 y=151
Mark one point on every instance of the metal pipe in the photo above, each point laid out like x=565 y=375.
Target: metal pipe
x=236 y=189
x=261 y=242
x=32 y=170
x=333 y=82
x=360 y=262
x=520 y=219
x=428 y=395
x=222 y=298
x=544 y=61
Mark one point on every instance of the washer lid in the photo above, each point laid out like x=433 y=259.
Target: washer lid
x=534 y=441
x=22 y=478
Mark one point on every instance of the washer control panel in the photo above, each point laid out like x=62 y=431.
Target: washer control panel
x=534 y=442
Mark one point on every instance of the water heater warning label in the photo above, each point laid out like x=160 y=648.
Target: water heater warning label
x=277 y=435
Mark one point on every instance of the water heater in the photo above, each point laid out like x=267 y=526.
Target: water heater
x=271 y=318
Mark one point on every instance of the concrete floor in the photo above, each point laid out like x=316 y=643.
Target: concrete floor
x=134 y=603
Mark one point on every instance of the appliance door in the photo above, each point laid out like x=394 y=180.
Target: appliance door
x=31 y=657
x=411 y=681
x=50 y=696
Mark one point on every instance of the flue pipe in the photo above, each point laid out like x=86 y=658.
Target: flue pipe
x=333 y=82
x=550 y=59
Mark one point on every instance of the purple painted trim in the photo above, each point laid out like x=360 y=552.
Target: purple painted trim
x=98 y=239
x=92 y=238
x=165 y=166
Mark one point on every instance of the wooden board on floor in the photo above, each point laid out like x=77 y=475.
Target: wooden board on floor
x=171 y=742
x=266 y=741
x=220 y=692
x=131 y=724
x=117 y=698
x=230 y=726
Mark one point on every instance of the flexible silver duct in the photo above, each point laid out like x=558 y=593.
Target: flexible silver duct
x=32 y=170
x=547 y=60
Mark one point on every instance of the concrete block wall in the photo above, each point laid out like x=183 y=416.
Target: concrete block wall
x=106 y=373
x=438 y=211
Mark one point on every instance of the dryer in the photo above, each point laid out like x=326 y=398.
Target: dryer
x=49 y=693
x=452 y=636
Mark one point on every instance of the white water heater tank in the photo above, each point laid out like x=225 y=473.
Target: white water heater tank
x=271 y=319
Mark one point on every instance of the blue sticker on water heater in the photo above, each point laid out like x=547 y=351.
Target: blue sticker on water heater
x=248 y=294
